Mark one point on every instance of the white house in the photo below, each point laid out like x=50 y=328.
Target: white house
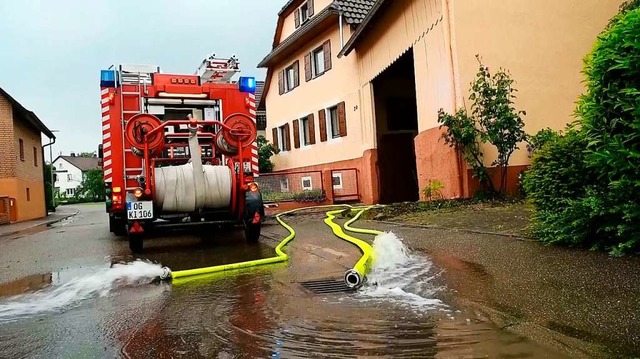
x=70 y=170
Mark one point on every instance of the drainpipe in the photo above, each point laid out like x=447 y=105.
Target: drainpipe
x=50 y=145
x=457 y=92
x=341 y=35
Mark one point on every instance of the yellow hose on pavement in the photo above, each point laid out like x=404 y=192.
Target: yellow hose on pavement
x=353 y=278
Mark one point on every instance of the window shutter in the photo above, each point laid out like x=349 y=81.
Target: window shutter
x=281 y=81
x=307 y=67
x=342 y=120
x=275 y=137
x=312 y=129
x=296 y=16
x=287 y=137
x=322 y=122
x=296 y=133
x=296 y=73
x=310 y=5
x=327 y=55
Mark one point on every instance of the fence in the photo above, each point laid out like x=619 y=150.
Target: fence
x=310 y=186
x=305 y=186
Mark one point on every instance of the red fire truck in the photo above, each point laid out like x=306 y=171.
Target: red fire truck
x=179 y=150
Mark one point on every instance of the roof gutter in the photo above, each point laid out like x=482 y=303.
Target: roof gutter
x=289 y=41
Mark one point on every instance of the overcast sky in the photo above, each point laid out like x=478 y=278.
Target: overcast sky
x=51 y=52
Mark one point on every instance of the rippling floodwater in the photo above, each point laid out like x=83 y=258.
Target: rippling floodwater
x=260 y=313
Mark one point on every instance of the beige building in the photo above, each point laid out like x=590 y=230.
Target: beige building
x=22 y=193
x=358 y=83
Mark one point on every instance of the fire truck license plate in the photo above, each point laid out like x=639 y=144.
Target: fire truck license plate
x=140 y=210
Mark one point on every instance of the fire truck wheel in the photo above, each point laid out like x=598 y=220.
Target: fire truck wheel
x=135 y=243
x=118 y=227
x=252 y=232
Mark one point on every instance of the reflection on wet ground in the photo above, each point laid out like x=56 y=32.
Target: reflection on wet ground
x=258 y=313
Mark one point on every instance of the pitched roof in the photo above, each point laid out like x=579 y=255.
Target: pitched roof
x=82 y=163
x=302 y=31
x=27 y=115
x=354 y=11
x=371 y=13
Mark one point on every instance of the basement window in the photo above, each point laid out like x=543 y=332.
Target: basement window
x=307 y=184
x=336 y=179
x=284 y=185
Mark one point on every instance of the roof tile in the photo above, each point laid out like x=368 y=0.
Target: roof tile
x=354 y=10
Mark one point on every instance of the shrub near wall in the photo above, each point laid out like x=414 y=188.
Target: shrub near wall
x=586 y=185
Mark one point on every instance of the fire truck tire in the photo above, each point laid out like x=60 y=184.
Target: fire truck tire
x=118 y=227
x=135 y=243
x=252 y=232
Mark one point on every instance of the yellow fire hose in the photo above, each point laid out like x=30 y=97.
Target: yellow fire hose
x=353 y=278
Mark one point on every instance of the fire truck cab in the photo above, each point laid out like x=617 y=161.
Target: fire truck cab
x=179 y=150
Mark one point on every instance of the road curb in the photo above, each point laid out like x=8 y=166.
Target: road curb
x=425 y=226
x=46 y=223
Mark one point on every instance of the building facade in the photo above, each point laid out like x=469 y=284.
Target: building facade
x=22 y=191
x=356 y=83
x=70 y=172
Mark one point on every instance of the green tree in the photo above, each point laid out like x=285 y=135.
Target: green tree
x=265 y=151
x=88 y=154
x=92 y=185
x=585 y=185
x=493 y=119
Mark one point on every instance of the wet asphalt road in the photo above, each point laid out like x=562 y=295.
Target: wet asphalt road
x=257 y=313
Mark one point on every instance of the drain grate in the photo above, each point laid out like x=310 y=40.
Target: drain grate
x=326 y=286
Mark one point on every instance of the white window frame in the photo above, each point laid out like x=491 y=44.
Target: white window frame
x=70 y=191
x=329 y=123
x=304 y=126
x=337 y=175
x=290 y=75
x=69 y=177
x=317 y=66
x=304 y=14
x=284 y=181
x=304 y=188
x=281 y=138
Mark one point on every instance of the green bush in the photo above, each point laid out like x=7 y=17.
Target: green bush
x=586 y=185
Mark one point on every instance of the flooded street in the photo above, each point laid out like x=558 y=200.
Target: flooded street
x=76 y=300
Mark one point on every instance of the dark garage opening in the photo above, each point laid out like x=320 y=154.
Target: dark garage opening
x=396 y=127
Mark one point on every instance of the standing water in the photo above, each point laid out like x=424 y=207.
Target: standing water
x=66 y=295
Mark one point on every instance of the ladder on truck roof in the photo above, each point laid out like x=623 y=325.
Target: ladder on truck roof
x=218 y=70
x=139 y=75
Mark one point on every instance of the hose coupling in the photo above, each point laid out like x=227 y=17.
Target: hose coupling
x=166 y=273
x=353 y=279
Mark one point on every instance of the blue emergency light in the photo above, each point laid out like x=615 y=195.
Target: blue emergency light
x=247 y=84
x=107 y=78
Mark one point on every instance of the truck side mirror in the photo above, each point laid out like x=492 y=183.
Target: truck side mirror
x=100 y=152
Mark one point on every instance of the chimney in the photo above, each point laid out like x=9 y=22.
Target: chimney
x=73 y=154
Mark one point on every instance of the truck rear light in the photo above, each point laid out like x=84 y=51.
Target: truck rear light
x=116 y=199
x=117 y=189
x=138 y=192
